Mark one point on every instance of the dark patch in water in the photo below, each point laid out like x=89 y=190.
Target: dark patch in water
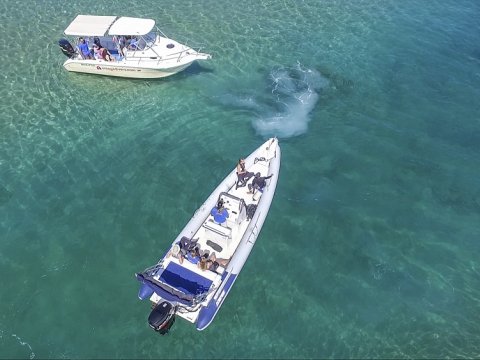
x=458 y=198
x=391 y=279
x=5 y=195
x=337 y=82
x=420 y=166
x=476 y=54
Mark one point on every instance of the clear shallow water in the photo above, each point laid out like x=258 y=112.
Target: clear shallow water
x=371 y=246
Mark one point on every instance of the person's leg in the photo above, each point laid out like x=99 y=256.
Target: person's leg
x=255 y=187
x=240 y=180
x=223 y=262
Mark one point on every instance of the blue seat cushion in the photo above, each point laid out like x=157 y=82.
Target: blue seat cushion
x=185 y=280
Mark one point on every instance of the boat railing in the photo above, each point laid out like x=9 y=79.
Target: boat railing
x=198 y=299
x=173 y=56
x=198 y=47
x=153 y=269
x=187 y=299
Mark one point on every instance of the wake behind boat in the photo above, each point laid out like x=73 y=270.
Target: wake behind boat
x=125 y=47
x=198 y=270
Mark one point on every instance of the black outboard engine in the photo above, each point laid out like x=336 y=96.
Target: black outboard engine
x=162 y=317
x=66 y=48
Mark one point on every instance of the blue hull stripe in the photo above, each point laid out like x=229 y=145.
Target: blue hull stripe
x=207 y=314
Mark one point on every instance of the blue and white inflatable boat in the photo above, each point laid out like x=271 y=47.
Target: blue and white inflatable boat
x=177 y=285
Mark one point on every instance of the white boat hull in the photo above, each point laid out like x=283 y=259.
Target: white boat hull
x=125 y=69
x=236 y=247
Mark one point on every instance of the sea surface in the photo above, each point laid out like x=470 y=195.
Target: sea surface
x=371 y=247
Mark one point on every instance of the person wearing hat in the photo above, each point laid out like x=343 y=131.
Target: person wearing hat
x=177 y=252
x=219 y=213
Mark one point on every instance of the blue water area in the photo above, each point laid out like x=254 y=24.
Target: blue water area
x=370 y=248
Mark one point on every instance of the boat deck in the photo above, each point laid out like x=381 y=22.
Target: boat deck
x=231 y=241
x=224 y=239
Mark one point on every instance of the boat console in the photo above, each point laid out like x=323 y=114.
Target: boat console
x=221 y=235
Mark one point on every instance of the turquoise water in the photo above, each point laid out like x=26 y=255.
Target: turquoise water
x=371 y=245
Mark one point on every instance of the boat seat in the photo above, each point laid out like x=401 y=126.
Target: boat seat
x=187 y=244
x=214 y=246
x=221 y=235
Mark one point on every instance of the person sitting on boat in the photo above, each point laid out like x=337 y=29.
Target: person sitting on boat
x=242 y=174
x=83 y=48
x=121 y=42
x=102 y=53
x=193 y=255
x=211 y=262
x=96 y=52
x=107 y=55
x=258 y=183
x=133 y=45
x=176 y=251
x=96 y=41
x=219 y=213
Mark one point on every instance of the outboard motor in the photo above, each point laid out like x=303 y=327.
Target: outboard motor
x=66 y=48
x=162 y=317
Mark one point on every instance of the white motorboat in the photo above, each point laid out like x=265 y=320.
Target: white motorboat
x=177 y=285
x=135 y=48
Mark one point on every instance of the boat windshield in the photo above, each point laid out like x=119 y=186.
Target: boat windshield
x=147 y=41
x=234 y=203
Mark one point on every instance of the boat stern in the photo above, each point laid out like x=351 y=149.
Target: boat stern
x=206 y=315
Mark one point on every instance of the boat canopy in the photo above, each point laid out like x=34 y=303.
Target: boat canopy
x=93 y=25
x=89 y=25
x=131 y=26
